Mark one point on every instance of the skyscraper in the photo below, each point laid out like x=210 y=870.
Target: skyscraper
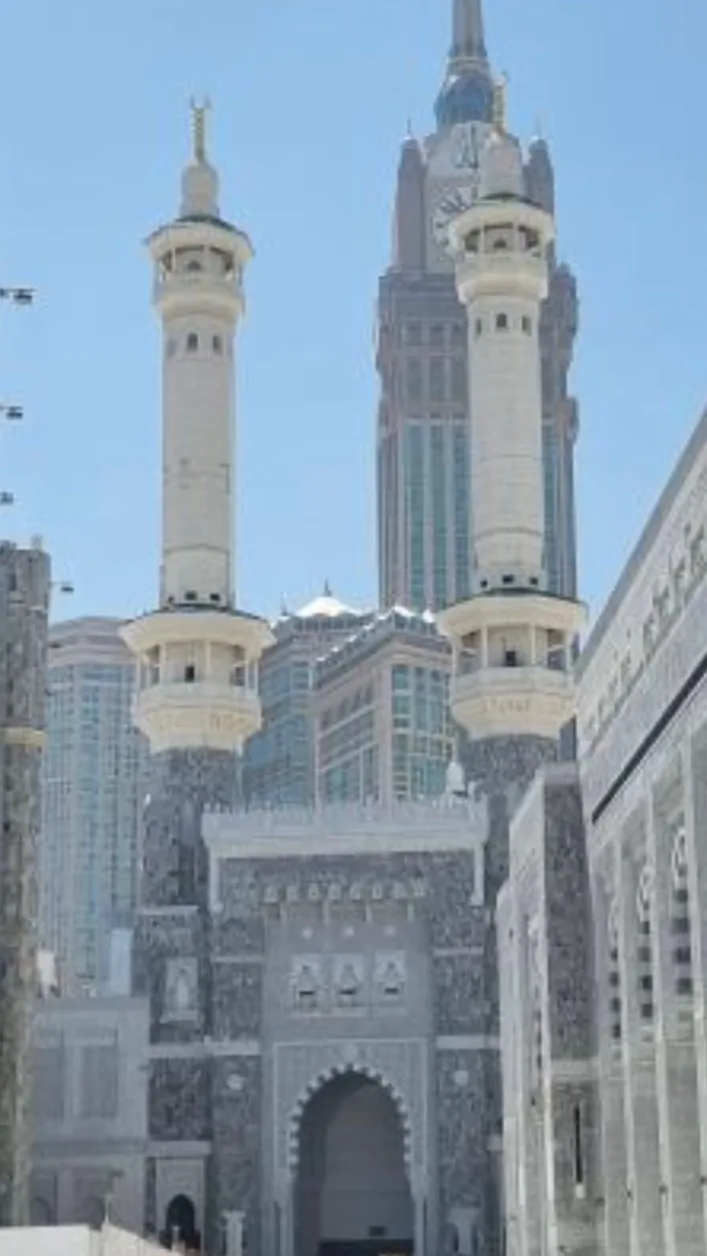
x=92 y=793
x=381 y=703
x=424 y=544
x=278 y=761
x=24 y=601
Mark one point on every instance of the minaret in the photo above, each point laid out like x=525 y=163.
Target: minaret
x=513 y=641
x=197 y=698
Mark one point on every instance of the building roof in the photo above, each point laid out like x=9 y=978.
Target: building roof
x=325 y=607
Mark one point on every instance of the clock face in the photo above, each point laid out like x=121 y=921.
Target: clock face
x=452 y=202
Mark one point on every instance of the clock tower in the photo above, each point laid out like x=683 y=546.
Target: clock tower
x=424 y=487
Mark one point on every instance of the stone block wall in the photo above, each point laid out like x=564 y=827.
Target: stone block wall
x=24 y=600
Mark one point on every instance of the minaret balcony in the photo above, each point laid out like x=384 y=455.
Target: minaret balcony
x=181 y=715
x=513 y=662
x=512 y=701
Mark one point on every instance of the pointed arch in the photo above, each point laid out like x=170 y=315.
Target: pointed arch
x=321 y=1079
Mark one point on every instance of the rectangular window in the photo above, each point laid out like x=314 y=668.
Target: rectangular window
x=413 y=383
x=99 y=1082
x=458 y=379
x=439 y=517
x=48 y=1083
x=415 y=495
x=437 y=380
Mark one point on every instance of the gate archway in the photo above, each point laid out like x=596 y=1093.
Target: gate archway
x=349 y=1143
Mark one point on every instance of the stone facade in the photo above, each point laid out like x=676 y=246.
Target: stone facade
x=89 y=1127
x=603 y=942
x=24 y=599
x=345 y=940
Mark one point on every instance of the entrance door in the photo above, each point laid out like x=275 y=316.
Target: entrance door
x=353 y=1197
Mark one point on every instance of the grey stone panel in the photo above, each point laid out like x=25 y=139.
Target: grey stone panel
x=179 y=1100
x=151 y=1196
x=181 y=783
x=458 y=992
x=160 y=938
x=237 y=1000
x=579 y=1206
x=461 y=1133
x=234 y=1168
x=502 y=768
x=454 y=921
x=24 y=598
x=570 y=944
x=238 y=935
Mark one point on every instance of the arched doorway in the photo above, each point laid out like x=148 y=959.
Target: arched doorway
x=352 y=1194
x=180 y=1225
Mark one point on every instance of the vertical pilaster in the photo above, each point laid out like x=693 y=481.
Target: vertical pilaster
x=676 y=1067
x=694 y=768
x=611 y=1068
x=642 y=1137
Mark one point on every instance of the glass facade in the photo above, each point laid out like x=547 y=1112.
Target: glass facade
x=422 y=734
x=384 y=731
x=278 y=762
x=92 y=792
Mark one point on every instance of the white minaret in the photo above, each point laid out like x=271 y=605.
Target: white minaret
x=512 y=640
x=197 y=655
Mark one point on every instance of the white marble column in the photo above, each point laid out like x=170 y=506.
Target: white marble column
x=676 y=1067
x=643 y=1158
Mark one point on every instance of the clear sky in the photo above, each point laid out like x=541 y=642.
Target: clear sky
x=311 y=99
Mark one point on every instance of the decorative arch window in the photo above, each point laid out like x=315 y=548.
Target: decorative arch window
x=306 y=988
x=501 y=322
x=644 y=966
x=192 y=342
x=478 y=328
x=614 y=973
x=680 y=913
x=194 y=265
x=217 y=345
x=526 y=324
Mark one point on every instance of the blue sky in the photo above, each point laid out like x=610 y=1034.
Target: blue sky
x=310 y=102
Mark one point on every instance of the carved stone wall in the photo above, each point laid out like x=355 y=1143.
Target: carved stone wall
x=24 y=596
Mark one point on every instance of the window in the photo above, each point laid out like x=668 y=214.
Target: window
x=99 y=1081
x=437 y=335
x=526 y=324
x=437 y=381
x=478 y=328
x=192 y=342
x=217 y=345
x=189 y=673
x=501 y=322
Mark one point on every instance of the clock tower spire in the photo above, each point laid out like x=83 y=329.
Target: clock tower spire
x=467 y=91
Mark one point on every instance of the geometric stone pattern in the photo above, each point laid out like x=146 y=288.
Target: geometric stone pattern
x=24 y=598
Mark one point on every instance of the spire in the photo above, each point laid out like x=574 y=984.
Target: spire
x=198 y=122
x=200 y=180
x=467 y=93
x=467 y=33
